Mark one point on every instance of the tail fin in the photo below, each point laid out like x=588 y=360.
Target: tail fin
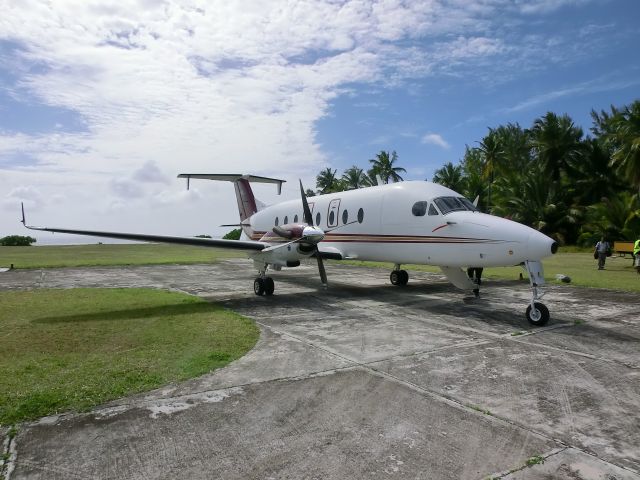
x=247 y=204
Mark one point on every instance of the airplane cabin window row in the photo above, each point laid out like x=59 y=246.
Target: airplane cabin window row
x=318 y=219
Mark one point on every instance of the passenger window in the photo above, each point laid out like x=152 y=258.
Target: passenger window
x=432 y=210
x=276 y=221
x=345 y=216
x=360 y=215
x=295 y=219
x=419 y=208
x=286 y=220
x=318 y=219
x=332 y=217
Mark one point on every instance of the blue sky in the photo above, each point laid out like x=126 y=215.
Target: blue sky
x=102 y=105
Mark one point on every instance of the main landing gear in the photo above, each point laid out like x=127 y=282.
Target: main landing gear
x=537 y=313
x=399 y=277
x=263 y=284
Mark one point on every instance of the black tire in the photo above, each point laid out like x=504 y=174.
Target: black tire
x=404 y=277
x=539 y=316
x=258 y=286
x=269 y=286
x=395 y=277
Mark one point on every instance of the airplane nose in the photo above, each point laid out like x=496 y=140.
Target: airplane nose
x=540 y=246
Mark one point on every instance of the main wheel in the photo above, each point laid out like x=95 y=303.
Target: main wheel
x=269 y=286
x=404 y=277
x=258 y=286
x=537 y=316
x=395 y=277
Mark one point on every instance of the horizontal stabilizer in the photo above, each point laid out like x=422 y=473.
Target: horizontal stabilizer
x=232 y=177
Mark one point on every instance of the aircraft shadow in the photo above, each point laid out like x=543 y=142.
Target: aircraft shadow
x=129 y=314
x=417 y=297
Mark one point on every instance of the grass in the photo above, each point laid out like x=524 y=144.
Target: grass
x=580 y=266
x=575 y=262
x=535 y=460
x=480 y=409
x=66 y=350
x=110 y=254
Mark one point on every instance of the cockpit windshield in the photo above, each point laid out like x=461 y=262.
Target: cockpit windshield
x=454 y=204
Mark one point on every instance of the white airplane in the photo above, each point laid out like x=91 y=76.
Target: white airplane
x=411 y=222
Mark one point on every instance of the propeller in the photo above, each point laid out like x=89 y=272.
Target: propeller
x=309 y=221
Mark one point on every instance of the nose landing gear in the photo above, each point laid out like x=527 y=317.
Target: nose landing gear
x=537 y=313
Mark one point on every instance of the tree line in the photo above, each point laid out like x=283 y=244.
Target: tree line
x=551 y=176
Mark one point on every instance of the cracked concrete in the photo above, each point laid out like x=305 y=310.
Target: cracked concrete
x=366 y=380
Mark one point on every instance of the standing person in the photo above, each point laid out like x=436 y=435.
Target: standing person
x=602 y=249
x=475 y=272
x=636 y=255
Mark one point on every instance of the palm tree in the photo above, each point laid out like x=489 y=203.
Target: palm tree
x=557 y=143
x=450 y=176
x=354 y=178
x=616 y=217
x=326 y=181
x=515 y=150
x=491 y=151
x=594 y=178
x=475 y=186
x=533 y=200
x=626 y=138
x=383 y=165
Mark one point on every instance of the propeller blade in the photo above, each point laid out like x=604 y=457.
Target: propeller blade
x=305 y=207
x=323 y=273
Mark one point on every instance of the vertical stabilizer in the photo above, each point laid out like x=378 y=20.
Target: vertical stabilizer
x=247 y=203
x=246 y=200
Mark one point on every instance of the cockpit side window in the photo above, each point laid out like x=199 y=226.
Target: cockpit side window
x=468 y=204
x=419 y=208
x=433 y=210
x=453 y=204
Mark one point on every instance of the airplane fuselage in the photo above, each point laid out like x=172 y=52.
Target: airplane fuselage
x=405 y=223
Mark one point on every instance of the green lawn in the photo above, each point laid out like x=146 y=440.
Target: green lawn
x=73 y=349
x=580 y=266
x=106 y=254
x=574 y=262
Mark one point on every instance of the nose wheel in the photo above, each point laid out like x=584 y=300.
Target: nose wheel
x=537 y=314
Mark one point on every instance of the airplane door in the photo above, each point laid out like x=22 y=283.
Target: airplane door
x=332 y=212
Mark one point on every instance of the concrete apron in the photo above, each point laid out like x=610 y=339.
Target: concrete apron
x=366 y=380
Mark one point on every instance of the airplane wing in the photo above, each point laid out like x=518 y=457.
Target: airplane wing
x=198 y=242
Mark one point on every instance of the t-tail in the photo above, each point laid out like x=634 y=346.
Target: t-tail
x=247 y=204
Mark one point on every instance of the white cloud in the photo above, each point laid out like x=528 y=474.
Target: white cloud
x=149 y=172
x=165 y=87
x=435 y=139
x=27 y=194
x=125 y=188
x=546 y=6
